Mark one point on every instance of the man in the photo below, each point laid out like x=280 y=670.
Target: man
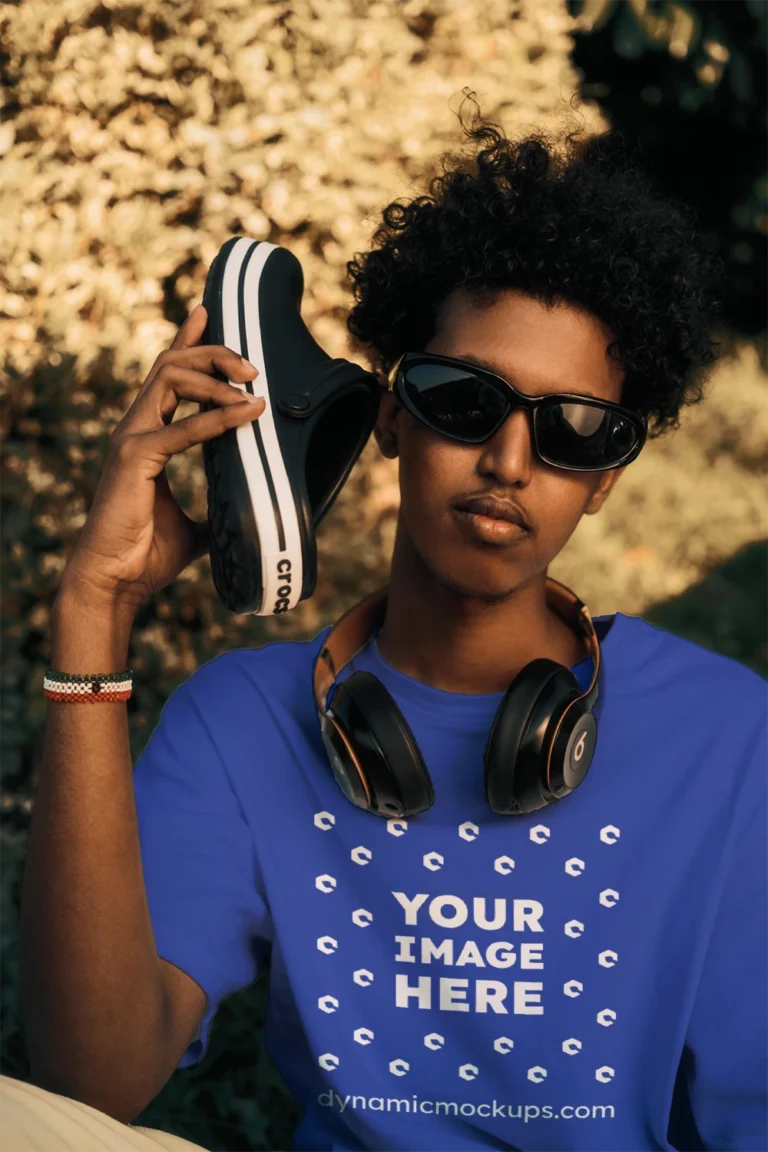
x=587 y=974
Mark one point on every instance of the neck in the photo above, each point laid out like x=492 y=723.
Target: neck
x=458 y=643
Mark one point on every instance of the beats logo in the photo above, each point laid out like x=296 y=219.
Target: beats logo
x=284 y=591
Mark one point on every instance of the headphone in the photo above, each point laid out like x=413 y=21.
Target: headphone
x=539 y=748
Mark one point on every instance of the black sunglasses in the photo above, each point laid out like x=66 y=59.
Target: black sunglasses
x=469 y=404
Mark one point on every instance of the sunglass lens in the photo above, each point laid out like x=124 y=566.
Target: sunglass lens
x=584 y=435
x=454 y=401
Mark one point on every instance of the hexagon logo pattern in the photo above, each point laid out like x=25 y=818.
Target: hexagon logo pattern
x=363 y=1035
x=328 y=1061
x=606 y=1017
x=604 y=1074
x=574 y=928
x=608 y=958
x=609 y=897
x=468 y=1072
x=361 y=855
x=434 y=1041
x=503 y=865
x=327 y=944
x=503 y=1044
x=328 y=1004
x=572 y=1046
x=574 y=866
x=433 y=861
x=397 y=827
x=324 y=821
x=537 y=1074
x=539 y=834
x=363 y=977
x=469 y=831
x=399 y=1067
x=362 y=917
x=325 y=883
x=573 y=988
x=609 y=834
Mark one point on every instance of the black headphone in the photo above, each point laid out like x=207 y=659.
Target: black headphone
x=539 y=748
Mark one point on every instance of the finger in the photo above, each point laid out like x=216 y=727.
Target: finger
x=214 y=358
x=188 y=335
x=162 y=443
x=174 y=381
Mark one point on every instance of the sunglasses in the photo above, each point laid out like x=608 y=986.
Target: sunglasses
x=470 y=404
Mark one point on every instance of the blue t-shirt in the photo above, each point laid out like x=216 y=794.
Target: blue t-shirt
x=590 y=976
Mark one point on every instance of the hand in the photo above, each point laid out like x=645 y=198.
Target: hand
x=137 y=539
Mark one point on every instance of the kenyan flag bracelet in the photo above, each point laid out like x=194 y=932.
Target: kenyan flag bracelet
x=72 y=689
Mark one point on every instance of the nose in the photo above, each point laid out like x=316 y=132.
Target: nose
x=509 y=454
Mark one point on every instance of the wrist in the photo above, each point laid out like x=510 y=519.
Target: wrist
x=77 y=595
x=90 y=634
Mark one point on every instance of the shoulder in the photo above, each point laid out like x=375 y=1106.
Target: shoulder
x=278 y=670
x=673 y=655
x=686 y=670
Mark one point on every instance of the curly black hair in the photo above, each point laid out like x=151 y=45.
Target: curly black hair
x=581 y=222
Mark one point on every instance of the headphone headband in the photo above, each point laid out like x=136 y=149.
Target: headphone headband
x=355 y=628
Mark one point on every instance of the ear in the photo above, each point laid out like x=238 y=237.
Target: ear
x=604 y=487
x=385 y=429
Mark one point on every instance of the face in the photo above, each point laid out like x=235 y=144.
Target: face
x=540 y=351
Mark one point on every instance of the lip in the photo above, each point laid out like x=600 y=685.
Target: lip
x=493 y=509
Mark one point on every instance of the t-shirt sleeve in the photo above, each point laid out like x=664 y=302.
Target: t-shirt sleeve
x=728 y=1034
x=209 y=912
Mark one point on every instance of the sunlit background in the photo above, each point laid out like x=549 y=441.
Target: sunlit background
x=136 y=137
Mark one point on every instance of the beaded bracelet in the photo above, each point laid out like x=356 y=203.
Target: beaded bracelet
x=73 y=689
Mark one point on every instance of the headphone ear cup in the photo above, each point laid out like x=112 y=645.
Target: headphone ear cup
x=516 y=751
x=399 y=782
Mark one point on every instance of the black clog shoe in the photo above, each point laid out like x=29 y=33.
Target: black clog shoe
x=270 y=482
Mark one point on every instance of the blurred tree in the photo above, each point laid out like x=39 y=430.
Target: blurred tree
x=686 y=83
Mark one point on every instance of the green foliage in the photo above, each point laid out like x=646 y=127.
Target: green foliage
x=235 y=1098
x=686 y=81
x=727 y=611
